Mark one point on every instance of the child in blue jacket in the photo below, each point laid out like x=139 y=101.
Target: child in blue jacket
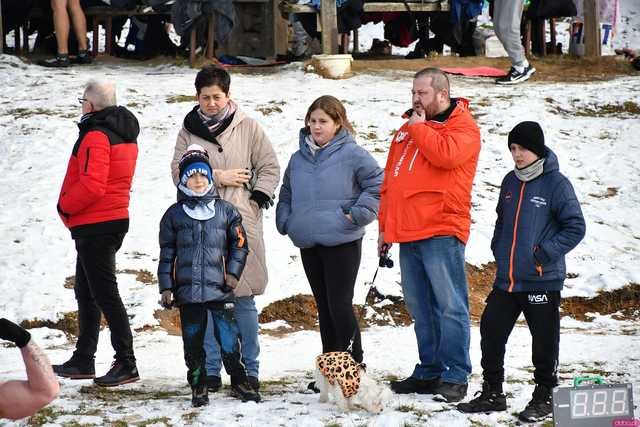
x=203 y=249
x=539 y=222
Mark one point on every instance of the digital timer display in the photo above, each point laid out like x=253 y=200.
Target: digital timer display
x=599 y=402
x=593 y=405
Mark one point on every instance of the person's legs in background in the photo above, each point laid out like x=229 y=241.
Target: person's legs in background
x=507 y=16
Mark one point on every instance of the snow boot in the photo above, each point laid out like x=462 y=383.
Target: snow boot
x=540 y=407
x=490 y=399
x=76 y=368
x=199 y=396
x=244 y=392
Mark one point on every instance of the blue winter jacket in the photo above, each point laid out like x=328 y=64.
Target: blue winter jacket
x=195 y=255
x=317 y=192
x=538 y=223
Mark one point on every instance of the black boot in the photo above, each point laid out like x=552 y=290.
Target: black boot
x=312 y=386
x=450 y=392
x=254 y=383
x=120 y=373
x=199 y=396
x=415 y=385
x=213 y=382
x=491 y=399
x=83 y=57
x=61 y=60
x=76 y=368
x=540 y=406
x=244 y=392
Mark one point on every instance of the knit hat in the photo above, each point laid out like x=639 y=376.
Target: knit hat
x=530 y=136
x=194 y=160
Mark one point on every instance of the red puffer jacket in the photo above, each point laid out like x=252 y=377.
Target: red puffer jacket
x=94 y=198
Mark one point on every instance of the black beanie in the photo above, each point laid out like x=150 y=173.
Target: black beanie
x=530 y=136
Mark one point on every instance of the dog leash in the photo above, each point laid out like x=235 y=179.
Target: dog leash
x=361 y=316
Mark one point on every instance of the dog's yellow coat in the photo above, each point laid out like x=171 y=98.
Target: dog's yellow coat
x=340 y=366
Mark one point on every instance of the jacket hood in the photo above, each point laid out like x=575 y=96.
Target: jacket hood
x=341 y=138
x=551 y=163
x=193 y=201
x=117 y=119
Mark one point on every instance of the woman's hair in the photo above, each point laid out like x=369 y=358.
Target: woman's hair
x=210 y=75
x=332 y=108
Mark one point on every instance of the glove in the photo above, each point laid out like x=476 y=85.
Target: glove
x=231 y=281
x=11 y=332
x=166 y=299
x=261 y=199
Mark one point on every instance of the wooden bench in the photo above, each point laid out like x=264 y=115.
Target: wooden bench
x=105 y=16
x=328 y=18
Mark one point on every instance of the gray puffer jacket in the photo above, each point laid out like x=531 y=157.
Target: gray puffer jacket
x=318 y=191
x=196 y=254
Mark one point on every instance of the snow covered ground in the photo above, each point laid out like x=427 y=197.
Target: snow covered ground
x=38 y=110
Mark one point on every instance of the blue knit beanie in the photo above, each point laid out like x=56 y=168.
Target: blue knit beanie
x=195 y=160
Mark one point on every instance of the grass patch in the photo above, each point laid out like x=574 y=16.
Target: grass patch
x=69 y=282
x=23 y=113
x=43 y=416
x=172 y=99
x=610 y=192
x=142 y=276
x=111 y=395
x=67 y=324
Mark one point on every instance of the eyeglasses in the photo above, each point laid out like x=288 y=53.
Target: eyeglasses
x=81 y=100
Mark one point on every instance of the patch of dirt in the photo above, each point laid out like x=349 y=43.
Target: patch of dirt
x=69 y=282
x=552 y=68
x=299 y=311
x=68 y=323
x=169 y=321
x=480 y=281
x=142 y=276
x=610 y=192
x=625 y=300
x=271 y=107
x=172 y=99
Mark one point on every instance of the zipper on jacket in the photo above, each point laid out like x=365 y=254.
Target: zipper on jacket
x=202 y=263
x=86 y=162
x=515 y=236
x=413 y=159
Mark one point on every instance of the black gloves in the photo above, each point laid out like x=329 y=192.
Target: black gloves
x=11 y=332
x=261 y=199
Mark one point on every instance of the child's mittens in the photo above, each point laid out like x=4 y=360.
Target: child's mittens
x=231 y=281
x=166 y=299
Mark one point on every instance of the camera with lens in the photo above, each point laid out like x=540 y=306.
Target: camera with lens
x=385 y=260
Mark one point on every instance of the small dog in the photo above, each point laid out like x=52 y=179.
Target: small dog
x=346 y=380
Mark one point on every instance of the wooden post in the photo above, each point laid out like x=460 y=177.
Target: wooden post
x=591 y=28
x=210 y=37
x=16 y=37
x=108 y=35
x=1 y=31
x=96 y=34
x=552 y=30
x=356 y=41
x=329 y=22
x=192 y=46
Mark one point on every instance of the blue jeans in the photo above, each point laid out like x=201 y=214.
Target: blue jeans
x=435 y=293
x=246 y=316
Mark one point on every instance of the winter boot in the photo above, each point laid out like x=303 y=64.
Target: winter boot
x=244 y=392
x=415 y=385
x=450 y=392
x=120 y=373
x=312 y=386
x=540 y=406
x=490 y=399
x=199 y=396
x=254 y=383
x=76 y=368
x=213 y=382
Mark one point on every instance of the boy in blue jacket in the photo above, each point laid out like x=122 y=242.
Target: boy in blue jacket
x=203 y=249
x=539 y=222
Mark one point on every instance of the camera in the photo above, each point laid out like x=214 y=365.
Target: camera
x=385 y=260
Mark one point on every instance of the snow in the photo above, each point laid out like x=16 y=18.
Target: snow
x=37 y=114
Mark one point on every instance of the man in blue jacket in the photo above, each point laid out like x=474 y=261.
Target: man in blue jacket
x=539 y=221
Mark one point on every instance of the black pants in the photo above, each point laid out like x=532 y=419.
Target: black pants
x=541 y=310
x=332 y=273
x=96 y=291
x=194 y=325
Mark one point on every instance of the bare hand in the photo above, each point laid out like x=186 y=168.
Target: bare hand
x=231 y=281
x=349 y=217
x=232 y=177
x=382 y=243
x=416 y=117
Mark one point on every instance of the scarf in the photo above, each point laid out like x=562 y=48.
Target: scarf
x=313 y=146
x=530 y=172
x=214 y=122
x=202 y=210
